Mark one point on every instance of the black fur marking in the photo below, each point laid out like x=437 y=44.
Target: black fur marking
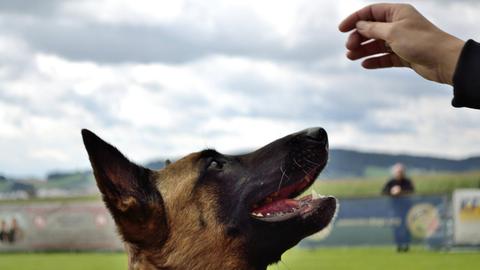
x=201 y=221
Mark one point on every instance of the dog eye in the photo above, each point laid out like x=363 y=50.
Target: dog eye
x=215 y=165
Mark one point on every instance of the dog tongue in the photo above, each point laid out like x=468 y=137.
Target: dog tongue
x=285 y=205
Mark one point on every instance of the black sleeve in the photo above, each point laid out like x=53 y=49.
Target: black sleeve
x=409 y=186
x=386 y=188
x=466 y=81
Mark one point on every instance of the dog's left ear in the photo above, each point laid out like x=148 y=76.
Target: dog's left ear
x=130 y=193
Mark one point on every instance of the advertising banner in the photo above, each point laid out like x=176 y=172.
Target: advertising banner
x=373 y=221
x=369 y=221
x=57 y=226
x=466 y=216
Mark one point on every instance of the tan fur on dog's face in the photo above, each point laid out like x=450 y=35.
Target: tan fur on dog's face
x=192 y=219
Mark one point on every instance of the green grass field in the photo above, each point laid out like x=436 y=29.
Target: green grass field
x=370 y=258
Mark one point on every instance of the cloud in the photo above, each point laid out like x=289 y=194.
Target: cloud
x=32 y=8
x=112 y=32
x=206 y=74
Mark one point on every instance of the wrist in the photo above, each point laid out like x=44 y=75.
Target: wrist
x=449 y=56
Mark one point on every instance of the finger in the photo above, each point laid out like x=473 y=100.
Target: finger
x=375 y=12
x=383 y=61
x=375 y=30
x=355 y=40
x=368 y=49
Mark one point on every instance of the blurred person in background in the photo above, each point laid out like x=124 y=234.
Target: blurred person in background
x=14 y=233
x=397 y=35
x=397 y=188
x=399 y=184
x=3 y=231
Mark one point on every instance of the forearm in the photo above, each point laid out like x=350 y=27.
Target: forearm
x=466 y=81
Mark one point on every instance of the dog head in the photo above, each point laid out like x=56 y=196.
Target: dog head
x=208 y=207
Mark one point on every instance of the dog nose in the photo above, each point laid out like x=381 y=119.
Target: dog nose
x=318 y=134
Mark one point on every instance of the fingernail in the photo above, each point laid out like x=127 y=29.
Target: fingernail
x=361 y=25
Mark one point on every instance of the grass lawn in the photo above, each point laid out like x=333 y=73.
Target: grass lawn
x=372 y=258
x=325 y=258
x=62 y=261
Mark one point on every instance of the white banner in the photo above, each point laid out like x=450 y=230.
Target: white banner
x=466 y=214
x=57 y=226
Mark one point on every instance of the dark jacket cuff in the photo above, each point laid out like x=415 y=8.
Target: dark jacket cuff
x=466 y=81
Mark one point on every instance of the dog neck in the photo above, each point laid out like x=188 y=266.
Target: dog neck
x=204 y=257
x=194 y=248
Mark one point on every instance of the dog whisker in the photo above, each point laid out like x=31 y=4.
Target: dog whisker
x=301 y=167
x=309 y=167
x=283 y=174
x=314 y=163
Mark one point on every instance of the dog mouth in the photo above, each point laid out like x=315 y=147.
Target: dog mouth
x=282 y=205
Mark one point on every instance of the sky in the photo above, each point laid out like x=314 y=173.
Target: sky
x=166 y=78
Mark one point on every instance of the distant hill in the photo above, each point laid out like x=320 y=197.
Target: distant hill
x=349 y=163
x=156 y=165
x=57 y=184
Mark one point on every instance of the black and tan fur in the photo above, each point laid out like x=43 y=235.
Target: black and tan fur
x=195 y=213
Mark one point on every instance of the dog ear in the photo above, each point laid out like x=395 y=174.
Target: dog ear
x=130 y=193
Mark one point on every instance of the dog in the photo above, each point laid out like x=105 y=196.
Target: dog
x=214 y=211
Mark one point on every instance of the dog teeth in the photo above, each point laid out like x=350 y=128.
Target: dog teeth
x=283 y=213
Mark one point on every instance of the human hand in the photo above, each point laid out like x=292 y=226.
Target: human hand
x=412 y=40
x=395 y=190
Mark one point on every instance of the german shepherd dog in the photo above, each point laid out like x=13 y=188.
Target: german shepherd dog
x=214 y=211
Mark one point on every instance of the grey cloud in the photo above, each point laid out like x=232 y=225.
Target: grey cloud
x=172 y=42
x=32 y=8
x=177 y=42
x=300 y=101
x=352 y=98
x=371 y=126
x=103 y=114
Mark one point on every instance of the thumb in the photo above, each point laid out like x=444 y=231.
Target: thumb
x=375 y=30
